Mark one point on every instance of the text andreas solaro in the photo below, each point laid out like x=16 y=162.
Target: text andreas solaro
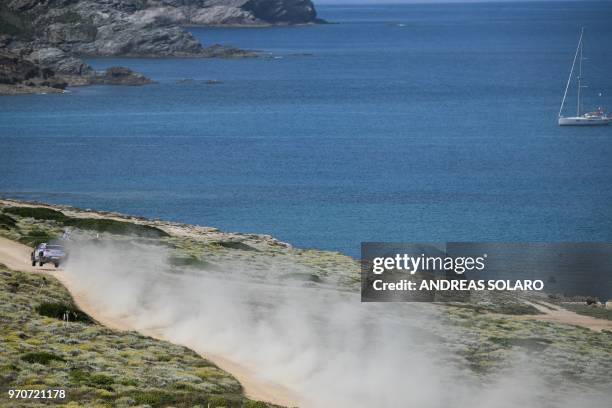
x=439 y=272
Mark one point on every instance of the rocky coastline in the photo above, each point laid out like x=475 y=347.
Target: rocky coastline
x=45 y=41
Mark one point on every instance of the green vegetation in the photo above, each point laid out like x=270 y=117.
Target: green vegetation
x=189 y=261
x=94 y=224
x=39 y=213
x=97 y=366
x=488 y=343
x=115 y=227
x=599 y=312
x=500 y=302
x=235 y=245
x=533 y=343
x=41 y=357
x=36 y=236
x=62 y=311
x=7 y=222
x=300 y=276
x=83 y=378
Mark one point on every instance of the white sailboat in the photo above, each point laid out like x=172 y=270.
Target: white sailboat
x=595 y=118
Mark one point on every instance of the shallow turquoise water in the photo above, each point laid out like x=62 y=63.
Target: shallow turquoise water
x=400 y=123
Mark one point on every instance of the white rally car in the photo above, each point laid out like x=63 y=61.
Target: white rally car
x=48 y=253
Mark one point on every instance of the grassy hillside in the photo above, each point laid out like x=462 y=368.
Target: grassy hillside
x=487 y=332
x=97 y=366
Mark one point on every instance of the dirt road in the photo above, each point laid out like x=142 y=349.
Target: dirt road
x=16 y=256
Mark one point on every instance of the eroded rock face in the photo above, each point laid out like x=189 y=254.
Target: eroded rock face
x=131 y=40
x=139 y=27
x=53 y=34
x=282 y=11
x=236 y=12
x=23 y=75
x=60 y=62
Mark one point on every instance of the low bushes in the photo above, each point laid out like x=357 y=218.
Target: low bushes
x=236 y=245
x=598 y=312
x=189 y=261
x=40 y=213
x=95 y=224
x=36 y=236
x=41 y=357
x=58 y=310
x=115 y=227
x=6 y=221
x=100 y=381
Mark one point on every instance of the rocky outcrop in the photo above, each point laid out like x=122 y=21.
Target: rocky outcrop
x=282 y=11
x=60 y=61
x=120 y=76
x=18 y=75
x=55 y=34
x=138 y=27
x=230 y=12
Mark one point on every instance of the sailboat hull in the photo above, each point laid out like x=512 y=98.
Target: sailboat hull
x=582 y=121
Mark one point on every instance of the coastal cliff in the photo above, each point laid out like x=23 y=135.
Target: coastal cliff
x=54 y=34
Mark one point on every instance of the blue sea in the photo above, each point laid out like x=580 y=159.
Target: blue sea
x=394 y=123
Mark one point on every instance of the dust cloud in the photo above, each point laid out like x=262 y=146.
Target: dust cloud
x=324 y=345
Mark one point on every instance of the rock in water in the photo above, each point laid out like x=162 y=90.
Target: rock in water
x=282 y=11
x=120 y=76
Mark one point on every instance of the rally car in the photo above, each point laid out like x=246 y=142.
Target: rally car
x=48 y=253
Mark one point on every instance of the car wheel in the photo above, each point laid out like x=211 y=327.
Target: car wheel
x=56 y=264
x=40 y=264
x=33 y=263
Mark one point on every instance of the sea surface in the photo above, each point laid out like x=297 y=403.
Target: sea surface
x=396 y=123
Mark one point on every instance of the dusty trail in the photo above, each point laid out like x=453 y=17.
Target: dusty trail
x=16 y=256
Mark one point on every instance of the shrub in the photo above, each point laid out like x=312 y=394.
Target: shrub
x=7 y=221
x=216 y=401
x=593 y=311
x=40 y=213
x=41 y=357
x=236 y=245
x=95 y=224
x=115 y=227
x=57 y=311
x=190 y=261
x=100 y=381
x=35 y=237
x=154 y=398
x=255 y=404
x=301 y=276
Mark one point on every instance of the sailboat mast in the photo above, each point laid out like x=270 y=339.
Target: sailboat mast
x=569 y=79
x=579 y=74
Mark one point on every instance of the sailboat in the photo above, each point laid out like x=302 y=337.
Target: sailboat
x=595 y=118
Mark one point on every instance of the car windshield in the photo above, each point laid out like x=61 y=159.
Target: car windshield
x=55 y=247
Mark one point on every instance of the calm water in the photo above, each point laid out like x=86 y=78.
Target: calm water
x=400 y=123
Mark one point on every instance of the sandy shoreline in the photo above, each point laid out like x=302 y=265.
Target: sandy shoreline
x=16 y=256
